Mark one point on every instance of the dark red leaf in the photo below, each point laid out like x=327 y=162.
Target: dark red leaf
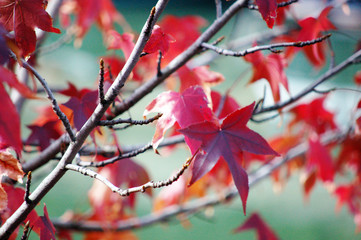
x=11 y=79
x=82 y=107
x=41 y=134
x=22 y=17
x=357 y=78
x=158 y=41
x=9 y=123
x=229 y=105
x=15 y=198
x=264 y=232
x=45 y=227
x=227 y=139
x=268 y=10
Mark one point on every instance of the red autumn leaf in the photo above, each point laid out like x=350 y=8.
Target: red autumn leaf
x=108 y=205
x=227 y=139
x=15 y=198
x=124 y=41
x=201 y=76
x=350 y=195
x=314 y=115
x=89 y=12
x=158 y=41
x=271 y=68
x=264 y=232
x=268 y=10
x=82 y=107
x=45 y=227
x=311 y=28
x=41 y=134
x=185 y=108
x=319 y=160
x=11 y=79
x=9 y=123
x=350 y=155
x=186 y=32
x=229 y=105
x=22 y=17
x=10 y=166
x=357 y=78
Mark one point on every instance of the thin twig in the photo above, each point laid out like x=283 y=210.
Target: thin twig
x=270 y=47
x=117 y=158
x=199 y=204
x=330 y=73
x=26 y=232
x=101 y=82
x=129 y=120
x=159 y=68
x=127 y=192
x=27 y=188
x=50 y=95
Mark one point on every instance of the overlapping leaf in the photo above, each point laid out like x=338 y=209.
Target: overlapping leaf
x=9 y=123
x=158 y=41
x=271 y=68
x=268 y=10
x=312 y=28
x=227 y=139
x=22 y=17
x=185 y=108
x=264 y=232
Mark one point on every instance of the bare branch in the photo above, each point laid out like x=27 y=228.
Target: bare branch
x=127 y=192
x=129 y=120
x=20 y=214
x=27 y=188
x=270 y=47
x=330 y=73
x=199 y=204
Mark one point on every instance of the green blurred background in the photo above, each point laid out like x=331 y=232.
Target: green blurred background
x=286 y=212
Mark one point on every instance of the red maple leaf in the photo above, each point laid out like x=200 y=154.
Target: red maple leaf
x=201 y=76
x=124 y=41
x=158 y=41
x=45 y=227
x=82 y=107
x=9 y=123
x=268 y=10
x=15 y=198
x=319 y=159
x=229 y=105
x=357 y=78
x=350 y=194
x=228 y=139
x=264 y=232
x=186 y=32
x=22 y=17
x=271 y=68
x=11 y=79
x=311 y=28
x=89 y=12
x=185 y=108
x=41 y=134
x=314 y=115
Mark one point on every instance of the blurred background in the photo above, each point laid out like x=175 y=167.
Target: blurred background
x=287 y=212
